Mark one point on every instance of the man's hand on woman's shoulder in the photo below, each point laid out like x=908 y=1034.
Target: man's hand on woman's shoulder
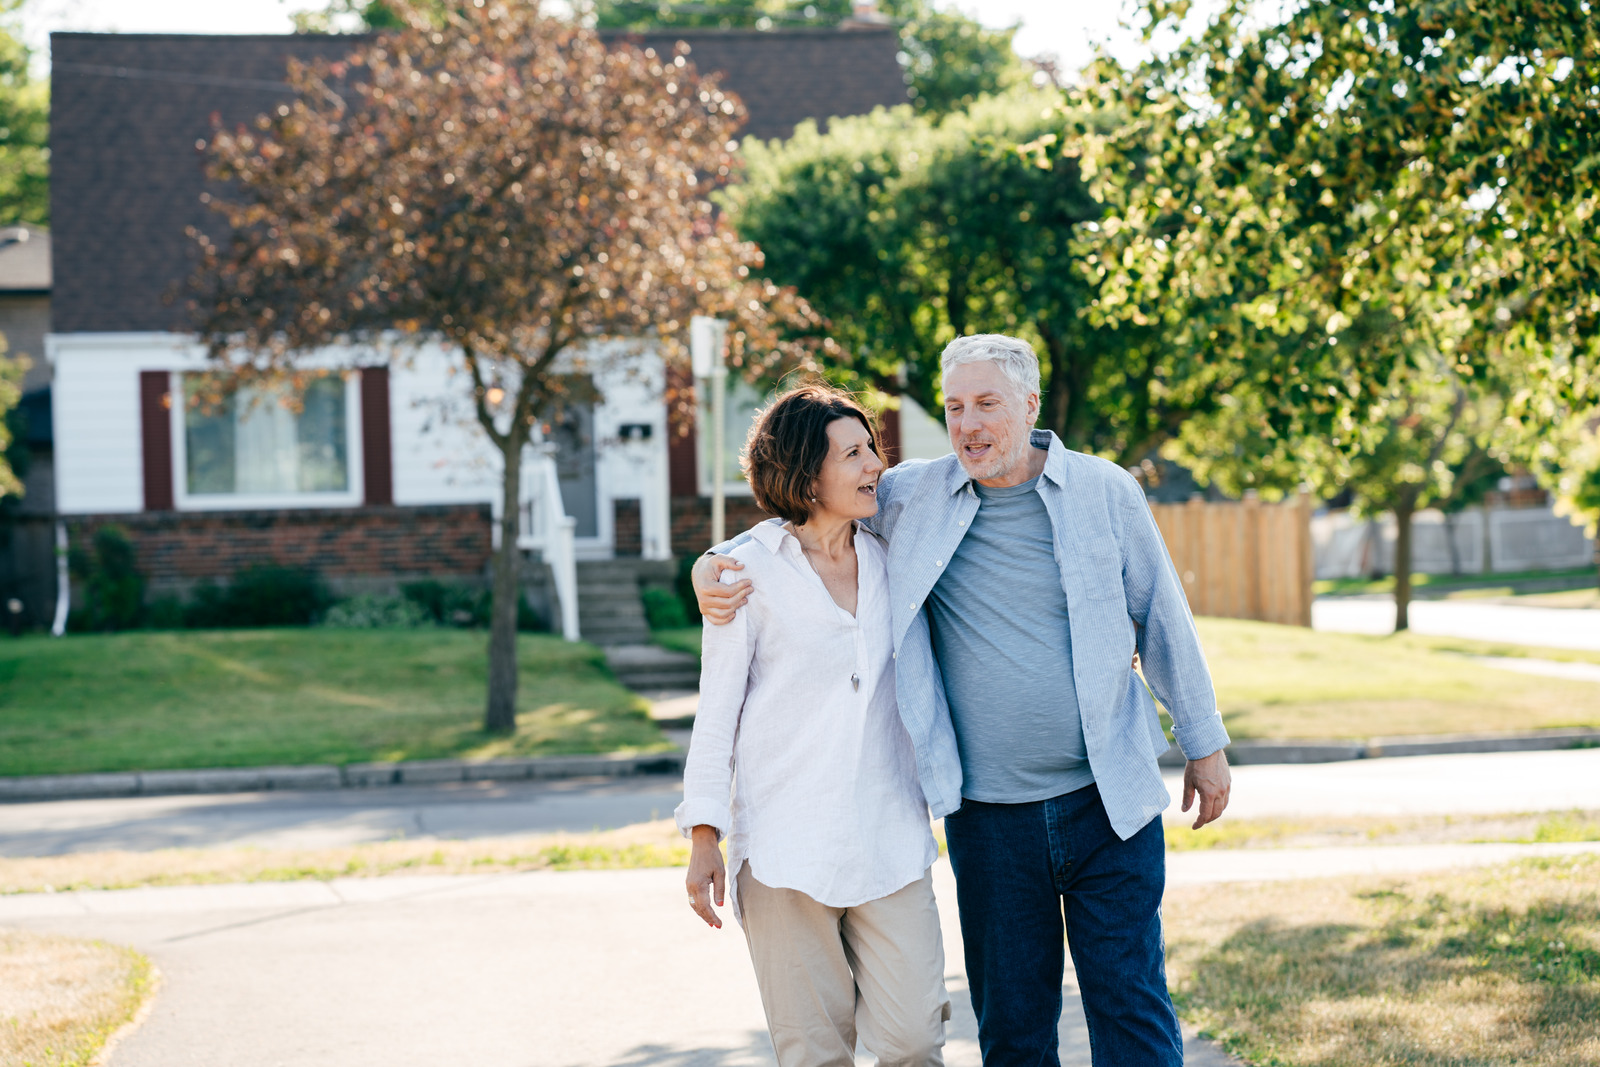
x=718 y=602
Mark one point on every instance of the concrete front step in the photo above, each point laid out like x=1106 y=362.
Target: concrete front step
x=644 y=666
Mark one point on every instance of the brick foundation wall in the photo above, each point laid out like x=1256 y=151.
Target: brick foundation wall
x=691 y=521
x=177 y=548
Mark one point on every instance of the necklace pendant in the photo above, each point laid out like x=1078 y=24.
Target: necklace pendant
x=855 y=682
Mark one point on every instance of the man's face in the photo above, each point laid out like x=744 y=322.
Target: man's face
x=989 y=418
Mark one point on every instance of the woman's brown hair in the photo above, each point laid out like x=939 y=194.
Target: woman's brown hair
x=784 y=453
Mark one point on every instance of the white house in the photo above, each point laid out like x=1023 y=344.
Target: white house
x=377 y=474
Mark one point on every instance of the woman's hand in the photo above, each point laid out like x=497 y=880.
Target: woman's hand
x=718 y=602
x=707 y=875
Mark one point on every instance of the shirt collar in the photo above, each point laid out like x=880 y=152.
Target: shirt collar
x=769 y=534
x=1055 y=462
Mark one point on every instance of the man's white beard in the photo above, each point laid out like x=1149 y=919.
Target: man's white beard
x=995 y=465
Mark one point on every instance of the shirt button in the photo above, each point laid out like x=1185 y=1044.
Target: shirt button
x=938 y=563
x=961 y=522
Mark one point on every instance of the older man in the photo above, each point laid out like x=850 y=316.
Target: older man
x=1024 y=578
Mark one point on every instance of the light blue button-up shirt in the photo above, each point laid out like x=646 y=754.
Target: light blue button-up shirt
x=1123 y=595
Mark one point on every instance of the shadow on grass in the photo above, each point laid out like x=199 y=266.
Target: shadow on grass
x=1407 y=987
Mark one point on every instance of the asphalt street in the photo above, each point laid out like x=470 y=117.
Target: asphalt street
x=1462 y=784
x=1511 y=623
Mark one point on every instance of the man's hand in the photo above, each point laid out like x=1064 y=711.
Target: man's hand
x=1209 y=777
x=707 y=876
x=718 y=602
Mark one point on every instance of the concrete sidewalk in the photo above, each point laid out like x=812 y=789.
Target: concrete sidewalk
x=525 y=970
x=536 y=970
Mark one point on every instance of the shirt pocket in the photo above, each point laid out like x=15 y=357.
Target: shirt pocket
x=1102 y=575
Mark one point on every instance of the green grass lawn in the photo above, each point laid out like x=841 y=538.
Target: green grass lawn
x=235 y=698
x=1426 y=586
x=1287 y=681
x=678 y=639
x=1483 y=968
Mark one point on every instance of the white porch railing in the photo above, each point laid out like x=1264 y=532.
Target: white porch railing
x=543 y=524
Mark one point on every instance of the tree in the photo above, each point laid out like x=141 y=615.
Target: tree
x=24 y=128
x=501 y=181
x=13 y=456
x=907 y=231
x=1351 y=199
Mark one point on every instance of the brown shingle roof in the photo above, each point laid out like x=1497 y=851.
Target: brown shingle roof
x=127 y=109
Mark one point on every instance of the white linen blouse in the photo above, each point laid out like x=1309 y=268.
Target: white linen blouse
x=799 y=726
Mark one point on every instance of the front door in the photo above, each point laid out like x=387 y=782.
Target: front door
x=569 y=424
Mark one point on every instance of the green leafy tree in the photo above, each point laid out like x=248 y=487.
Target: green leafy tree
x=13 y=454
x=1350 y=201
x=24 y=128
x=24 y=197
x=906 y=231
x=505 y=183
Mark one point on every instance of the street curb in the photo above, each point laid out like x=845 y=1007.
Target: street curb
x=327 y=776
x=1244 y=753
x=431 y=772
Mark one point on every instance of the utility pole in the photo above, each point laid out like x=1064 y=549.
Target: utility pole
x=707 y=340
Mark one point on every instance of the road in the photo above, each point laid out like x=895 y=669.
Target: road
x=1491 y=782
x=1575 y=628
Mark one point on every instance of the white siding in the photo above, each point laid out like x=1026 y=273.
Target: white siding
x=441 y=455
x=94 y=398
x=921 y=435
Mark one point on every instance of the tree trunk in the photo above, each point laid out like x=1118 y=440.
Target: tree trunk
x=501 y=714
x=1403 y=513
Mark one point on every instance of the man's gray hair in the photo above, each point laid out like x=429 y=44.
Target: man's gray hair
x=1016 y=357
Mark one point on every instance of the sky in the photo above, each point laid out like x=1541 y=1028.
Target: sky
x=1064 y=28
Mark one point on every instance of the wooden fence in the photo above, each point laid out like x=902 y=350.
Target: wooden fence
x=1245 y=560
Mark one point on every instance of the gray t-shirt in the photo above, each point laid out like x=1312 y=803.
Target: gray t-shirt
x=999 y=620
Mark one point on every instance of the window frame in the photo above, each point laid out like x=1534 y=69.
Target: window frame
x=702 y=429
x=354 y=495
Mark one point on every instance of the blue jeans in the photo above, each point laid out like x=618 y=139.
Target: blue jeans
x=1020 y=869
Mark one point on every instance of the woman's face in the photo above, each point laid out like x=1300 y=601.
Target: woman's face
x=847 y=485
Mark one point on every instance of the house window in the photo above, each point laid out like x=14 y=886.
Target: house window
x=268 y=446
x=740 y=407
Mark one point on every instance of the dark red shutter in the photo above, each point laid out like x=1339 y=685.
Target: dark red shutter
x=890 y=427
x=155 y=423
x=377 y=458
x=683 y=475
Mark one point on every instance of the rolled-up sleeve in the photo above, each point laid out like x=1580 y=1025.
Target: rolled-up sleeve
x=1169 y=647
x=724 y=678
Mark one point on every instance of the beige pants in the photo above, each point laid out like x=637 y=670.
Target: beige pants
x=825 y=972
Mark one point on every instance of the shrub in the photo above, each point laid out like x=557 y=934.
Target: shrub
x=449 y=604
x=262 y=595
x=376 y=612
x=459 y=604
x=685 y=589
x=663 y=609
x=113 y=588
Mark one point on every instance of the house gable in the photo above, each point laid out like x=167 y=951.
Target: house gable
x=128 y=111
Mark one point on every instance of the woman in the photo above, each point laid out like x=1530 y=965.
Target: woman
x=829 y=846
